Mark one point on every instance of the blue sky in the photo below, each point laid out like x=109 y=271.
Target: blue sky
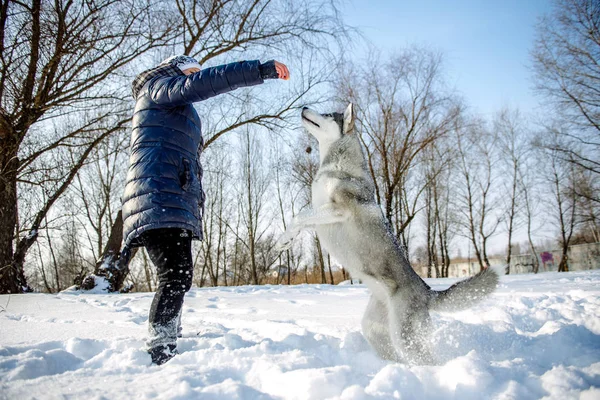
x=486 y=43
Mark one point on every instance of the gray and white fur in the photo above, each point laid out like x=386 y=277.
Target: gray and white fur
x=353 y=229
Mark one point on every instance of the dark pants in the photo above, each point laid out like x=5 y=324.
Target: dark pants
x=170 y=251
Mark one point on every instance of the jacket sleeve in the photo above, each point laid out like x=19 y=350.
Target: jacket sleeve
x=209 y=82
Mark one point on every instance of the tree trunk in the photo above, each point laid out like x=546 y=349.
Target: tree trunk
x=253 y=263
x=511 y=217
x=430 y=236
x=477 y=252
x=289 y=267
x=329 y=266
x=202 y=275
x=445 y=256
x=321 y=259
x=509 y=250
x=536 y=262
x=225 y=262
x=12 y=277
x=563 y=266
x=437 y=271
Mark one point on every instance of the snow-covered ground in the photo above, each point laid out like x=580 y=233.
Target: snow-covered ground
x=537 y=337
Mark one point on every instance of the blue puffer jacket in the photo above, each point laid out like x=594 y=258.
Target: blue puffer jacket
x=164 y=180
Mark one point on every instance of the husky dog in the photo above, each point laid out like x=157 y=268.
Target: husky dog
x=352 y=227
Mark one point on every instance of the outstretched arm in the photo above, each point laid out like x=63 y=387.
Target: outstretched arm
x=209 y=82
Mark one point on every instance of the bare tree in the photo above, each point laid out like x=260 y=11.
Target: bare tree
x=431 y=230
x=566 y=60
x=402 y=108
x=218 y=184
x=531 y=207
x=438 y=168
x=255 y=178
x=240 y=257
x=93 y=200
x=477 y=201
x=55 y=60
x=288 y=193
x=512 y=138
x=562 y=177
x=97 y=190
x=588 y=210
x=64 y=258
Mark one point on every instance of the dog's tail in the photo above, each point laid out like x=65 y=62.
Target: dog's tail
x=466 y=293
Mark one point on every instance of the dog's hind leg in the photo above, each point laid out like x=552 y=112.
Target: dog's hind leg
x=375 y=328
x=410 y=330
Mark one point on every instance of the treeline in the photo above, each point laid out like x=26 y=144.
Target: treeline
x=442 y=173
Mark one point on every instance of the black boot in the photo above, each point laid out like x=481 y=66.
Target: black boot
x=161 y=353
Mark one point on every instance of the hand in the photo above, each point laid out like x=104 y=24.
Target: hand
x=282 y=71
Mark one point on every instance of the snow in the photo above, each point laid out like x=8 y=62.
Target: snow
x=537 y=337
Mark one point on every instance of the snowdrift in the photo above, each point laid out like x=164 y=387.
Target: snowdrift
x=537 y=337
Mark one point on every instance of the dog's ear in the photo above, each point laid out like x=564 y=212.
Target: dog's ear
x=349 y=119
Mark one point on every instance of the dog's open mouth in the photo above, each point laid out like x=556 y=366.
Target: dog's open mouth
x=311 y=121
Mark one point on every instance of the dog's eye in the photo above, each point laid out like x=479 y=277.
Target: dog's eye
x=327 y=115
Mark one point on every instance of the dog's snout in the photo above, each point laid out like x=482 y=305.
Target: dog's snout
x=304 y=108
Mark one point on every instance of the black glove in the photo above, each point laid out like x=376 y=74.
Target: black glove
x=268 y=70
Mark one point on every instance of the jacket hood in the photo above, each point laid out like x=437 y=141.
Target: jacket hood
x=143 y=78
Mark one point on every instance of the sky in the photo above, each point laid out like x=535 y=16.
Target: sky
x=485 y=43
